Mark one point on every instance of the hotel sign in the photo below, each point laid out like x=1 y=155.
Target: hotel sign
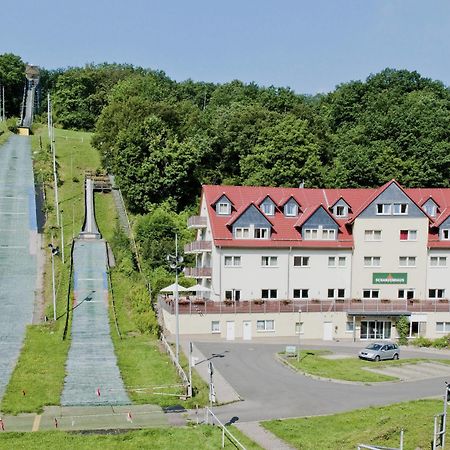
x=390 y=278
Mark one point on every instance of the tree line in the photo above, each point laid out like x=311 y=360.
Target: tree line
x=163 y=139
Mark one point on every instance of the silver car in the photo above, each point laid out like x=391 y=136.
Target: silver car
x=377 y=351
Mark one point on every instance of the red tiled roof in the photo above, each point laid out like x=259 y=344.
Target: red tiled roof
x=285 y=233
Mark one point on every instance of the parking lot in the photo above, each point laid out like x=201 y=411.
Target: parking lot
x=271 y=390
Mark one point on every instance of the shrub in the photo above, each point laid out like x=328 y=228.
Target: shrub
x=442 y=342
x=402 y=330
x=422 y=342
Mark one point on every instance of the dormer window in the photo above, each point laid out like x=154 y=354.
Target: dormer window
x=268 y=208
x=291 y=209
x=341 y=211
x=261 y=233
x=430 y=208
x=223 y=208
x=329 y=234
x=325 y=234
x=242 y=233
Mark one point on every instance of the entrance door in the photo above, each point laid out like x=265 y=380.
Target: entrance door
x=328 y=331
x=375 y=329
x=247 y=330
x=230 y=330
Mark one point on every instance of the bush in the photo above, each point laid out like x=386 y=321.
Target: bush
x=11 y=123
x=402 y=330
x=442 y=342
x=422 y=342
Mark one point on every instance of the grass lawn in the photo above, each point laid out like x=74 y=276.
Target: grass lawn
x=376 y=426
x=194 y=437
x=143 y=364
x=349 y=369
x=39 y=371
x=4 y=133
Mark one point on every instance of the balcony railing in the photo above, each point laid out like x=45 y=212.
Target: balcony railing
x=397 y=307
x=198 y=272
x=198 y=247
x=197 y=222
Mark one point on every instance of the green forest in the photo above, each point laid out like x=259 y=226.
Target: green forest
x=163 y=139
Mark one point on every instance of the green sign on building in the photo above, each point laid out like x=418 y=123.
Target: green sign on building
x=390 y=278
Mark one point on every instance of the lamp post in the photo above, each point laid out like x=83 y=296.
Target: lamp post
x=54 y=252
x=175 y=263
x=299 y=332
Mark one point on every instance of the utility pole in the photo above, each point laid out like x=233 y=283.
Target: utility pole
x=175 y=264
x=62 y=237
x=1 y=104
x=55 y=251
x=299 y=332
x=53 y=149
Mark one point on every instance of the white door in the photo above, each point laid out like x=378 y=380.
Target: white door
x=230 y=330
x=247 y=334
x=328 y=331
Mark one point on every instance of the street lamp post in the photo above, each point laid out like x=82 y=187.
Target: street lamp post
x=299 y=332
x=175 y=263
x=54 y=252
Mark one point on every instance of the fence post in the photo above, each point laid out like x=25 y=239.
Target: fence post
x=223 y=437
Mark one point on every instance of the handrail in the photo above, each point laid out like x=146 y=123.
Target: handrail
x=224 y=429
x=181 y=372
x=69 y=290
x=116 y=323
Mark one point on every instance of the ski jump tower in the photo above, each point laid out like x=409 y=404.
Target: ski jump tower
x=29 y=99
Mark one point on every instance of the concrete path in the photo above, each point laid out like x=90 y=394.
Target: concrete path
x=18 y=249
x=93 y=377
x=411 y=372
x=262 y=437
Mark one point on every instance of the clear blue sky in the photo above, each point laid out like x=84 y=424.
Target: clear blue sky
x=309 y=45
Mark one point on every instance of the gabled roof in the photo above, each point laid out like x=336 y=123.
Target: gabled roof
x=341 y=198
x=223 y=194
x=285 y=229
x=285 y=200
x=242 y=210
x=377 y=193
x=307 y=214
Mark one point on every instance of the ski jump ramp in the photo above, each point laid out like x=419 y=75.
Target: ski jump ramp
x=93 y=377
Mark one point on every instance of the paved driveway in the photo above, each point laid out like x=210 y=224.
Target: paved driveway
x=271 y=390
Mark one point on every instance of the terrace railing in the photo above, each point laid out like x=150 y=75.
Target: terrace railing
x=193 y=305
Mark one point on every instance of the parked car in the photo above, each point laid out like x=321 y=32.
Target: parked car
x=377 y=351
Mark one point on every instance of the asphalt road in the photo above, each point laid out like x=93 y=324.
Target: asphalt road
x=271 y=390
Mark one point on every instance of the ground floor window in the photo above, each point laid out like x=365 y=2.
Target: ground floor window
x=371 y=293
x=301 y=293
x=375 y=329
x=299 y=328
x=417 y=329
x=442 y=327
x=436 y=293
x=269 y=293
x=265 y=325
x=349 y=326
x=215 y=326
x=406 y=293
x=233 y=295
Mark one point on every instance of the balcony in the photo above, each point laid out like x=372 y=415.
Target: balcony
x=196 y=222
x=197 y=272
x=198 y=247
